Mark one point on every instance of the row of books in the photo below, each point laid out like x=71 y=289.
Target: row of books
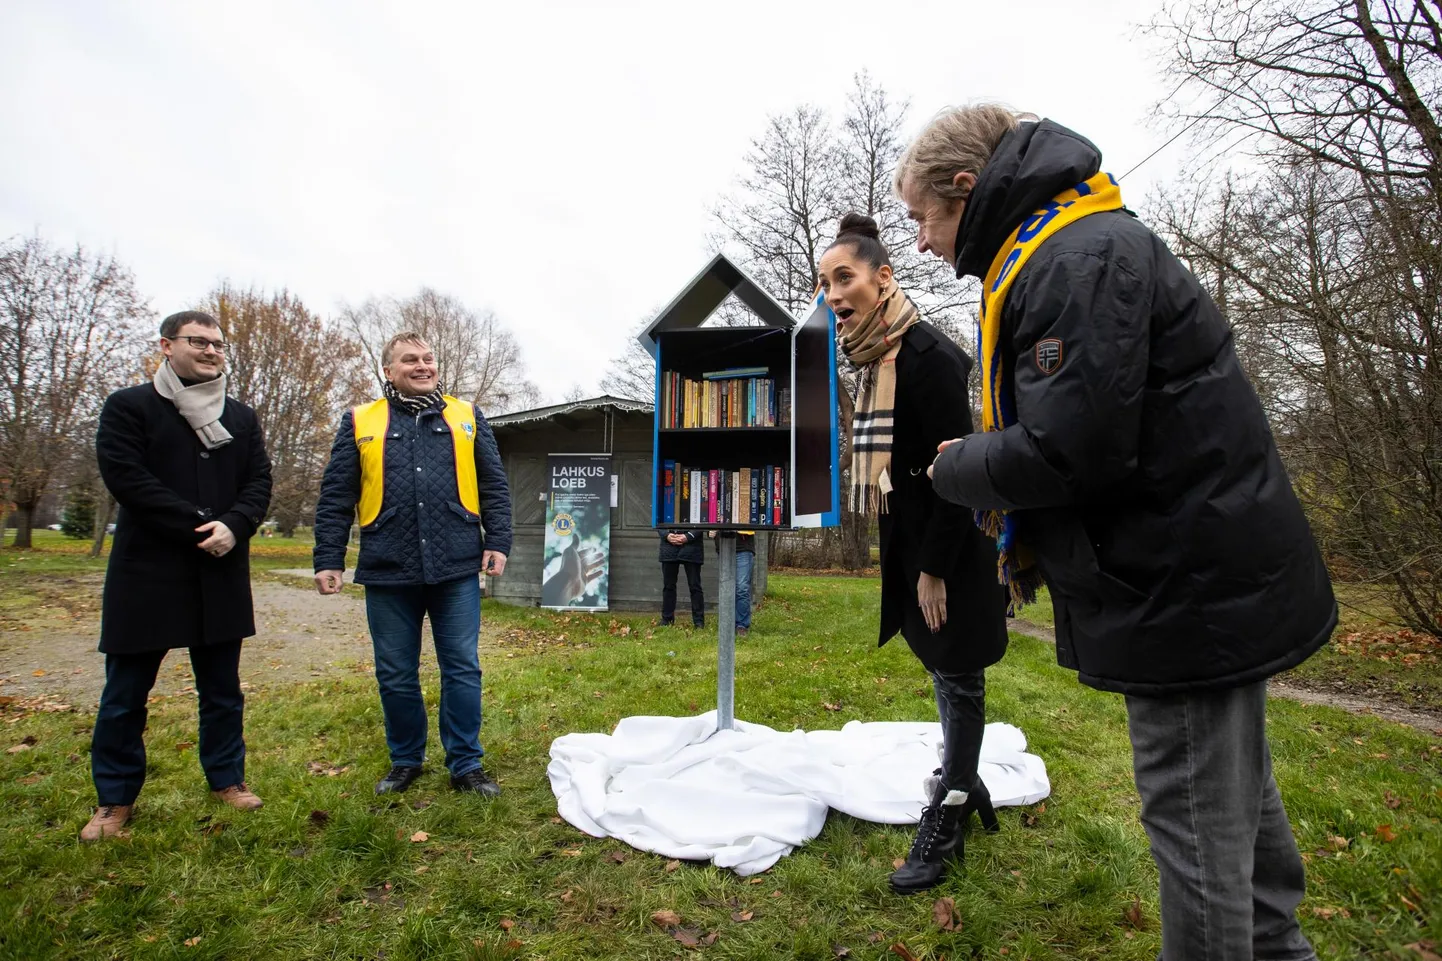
x=738 y=397
x=751 y=495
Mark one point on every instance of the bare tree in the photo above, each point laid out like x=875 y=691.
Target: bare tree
x=1329 y=259
x=297 y=371
x=479 y=357
x=69 y=334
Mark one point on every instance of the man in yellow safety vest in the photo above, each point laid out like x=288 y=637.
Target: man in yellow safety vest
x=420 y=472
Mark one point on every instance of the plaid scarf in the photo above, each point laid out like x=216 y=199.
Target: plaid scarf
x=1016 y=567
x=415 y=403
x=872 y=346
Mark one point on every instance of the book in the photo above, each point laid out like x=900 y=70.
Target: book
x=735 y=372
x=668 y=492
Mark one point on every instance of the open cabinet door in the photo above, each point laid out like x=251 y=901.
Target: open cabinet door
x=815 y=444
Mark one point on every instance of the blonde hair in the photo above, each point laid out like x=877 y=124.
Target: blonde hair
x=404 y=337
x=957 y=140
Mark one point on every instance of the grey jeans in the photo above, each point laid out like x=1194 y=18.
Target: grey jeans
x=1231 y=877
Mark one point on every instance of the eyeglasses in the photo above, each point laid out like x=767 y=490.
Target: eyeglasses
x=200 y=343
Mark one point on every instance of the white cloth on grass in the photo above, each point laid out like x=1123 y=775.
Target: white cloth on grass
x=744 y=799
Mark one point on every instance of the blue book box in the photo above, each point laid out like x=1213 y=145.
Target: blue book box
x=745 y=434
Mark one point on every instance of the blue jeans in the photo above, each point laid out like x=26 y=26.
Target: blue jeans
x=744 y=562
x=117 y=745
x=395 y=615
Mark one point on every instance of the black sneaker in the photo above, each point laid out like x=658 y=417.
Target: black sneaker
x=397 y=779
x=478 y=781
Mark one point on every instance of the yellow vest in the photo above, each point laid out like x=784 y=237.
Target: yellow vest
x=373 y=420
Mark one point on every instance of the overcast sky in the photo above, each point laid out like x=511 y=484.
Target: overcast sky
x=555 y=162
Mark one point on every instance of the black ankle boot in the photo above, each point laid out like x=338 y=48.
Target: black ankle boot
x=938 y=840
x=978 y=799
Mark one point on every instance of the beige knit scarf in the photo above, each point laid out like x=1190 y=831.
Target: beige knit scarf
x=872 y=346
x=200 y=404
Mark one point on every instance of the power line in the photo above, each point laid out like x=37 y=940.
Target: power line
x=1196 y=120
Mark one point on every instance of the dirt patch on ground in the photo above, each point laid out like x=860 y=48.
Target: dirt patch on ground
x=48 y=647
x=1289 y=688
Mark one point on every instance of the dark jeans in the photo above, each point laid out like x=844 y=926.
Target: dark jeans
x=668 y=592
x=117 y=746
x=1231 y=877
x=961 y=704
x=745 y=560
x=395 y=615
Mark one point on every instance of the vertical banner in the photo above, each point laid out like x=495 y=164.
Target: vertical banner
x=575 y=571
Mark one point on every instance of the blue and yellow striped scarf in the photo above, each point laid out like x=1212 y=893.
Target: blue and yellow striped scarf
x=1015 y=565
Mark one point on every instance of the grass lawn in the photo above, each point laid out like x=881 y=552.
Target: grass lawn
x=327 y=870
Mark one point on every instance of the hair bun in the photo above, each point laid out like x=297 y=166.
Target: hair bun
x=854 y=223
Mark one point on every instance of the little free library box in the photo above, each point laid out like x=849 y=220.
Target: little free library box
x=745 y=433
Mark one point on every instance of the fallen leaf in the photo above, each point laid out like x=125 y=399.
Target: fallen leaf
x=755 y=881
x=1392 y=801
x=837 y=951
x=17 y=749
x=507 y=924
x=1003 y=951
x=1133 y=913
x=183 y=745
x=666 y=919
x=557 y=820
x=319 y=818
x=149 y=939
x=1338 y=842
x=1041 y=808
x=1385 y=834
x=567 y=895
x=900 y=950
x=1408 y=904
x=420 y=836
x=831 y=707
x=616 y=857
x=192 y=942
x=1424 y=950
x=672 y=866
x=742 y=916
x=874 y=937
x=898 y=863
x=688 y=937
x=572 y=852
x=776 y=894
x=710 y=938
x=943 y=912
x=423 y=869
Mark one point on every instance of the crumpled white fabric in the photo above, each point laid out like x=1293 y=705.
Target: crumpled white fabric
x=743 y=799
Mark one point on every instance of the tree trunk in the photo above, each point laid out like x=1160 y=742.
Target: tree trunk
x=102 y=523
x=24 y=517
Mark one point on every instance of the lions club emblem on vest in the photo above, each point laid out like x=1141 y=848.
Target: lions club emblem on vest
x=1048 y=355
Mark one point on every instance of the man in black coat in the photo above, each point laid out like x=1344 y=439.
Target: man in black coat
x=188 y=467
x=681 y=549
x=1132 y=462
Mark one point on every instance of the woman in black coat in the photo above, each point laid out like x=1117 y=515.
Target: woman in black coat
x=939 y=585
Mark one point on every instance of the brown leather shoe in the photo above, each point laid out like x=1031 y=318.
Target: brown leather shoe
x=238 y=796
x=107 y=821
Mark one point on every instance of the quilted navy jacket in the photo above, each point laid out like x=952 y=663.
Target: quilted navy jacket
x=422 y=535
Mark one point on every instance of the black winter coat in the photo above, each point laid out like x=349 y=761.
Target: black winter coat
x=422 y=534
x=690 y=552
x=161 y=590
x=921 y=532
x=1142 y=467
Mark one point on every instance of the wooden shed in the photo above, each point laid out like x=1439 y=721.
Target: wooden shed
x=602 y=425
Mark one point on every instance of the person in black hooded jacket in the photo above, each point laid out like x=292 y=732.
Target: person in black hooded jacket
x=1129 y=464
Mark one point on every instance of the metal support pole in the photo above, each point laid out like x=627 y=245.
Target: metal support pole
x=726 y=636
